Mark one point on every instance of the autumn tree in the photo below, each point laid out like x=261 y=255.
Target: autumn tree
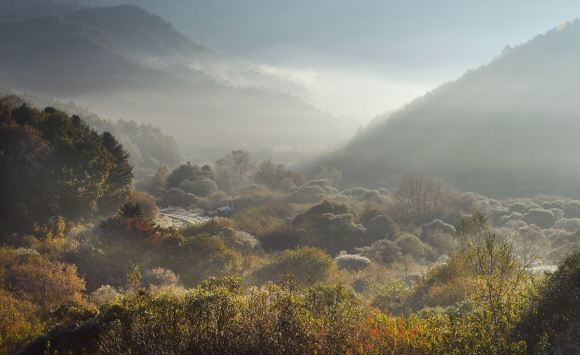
x=420 y=198
x=160 y=178
x=52 y=164
x=332 y=175
x=276 y=177
x=186 y=171
x=232 y=170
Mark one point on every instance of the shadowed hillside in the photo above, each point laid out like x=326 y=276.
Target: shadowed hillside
x=21 y=9
x=508 y=128
x=124 y=62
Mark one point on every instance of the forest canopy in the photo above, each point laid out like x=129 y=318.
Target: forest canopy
x=52 y=164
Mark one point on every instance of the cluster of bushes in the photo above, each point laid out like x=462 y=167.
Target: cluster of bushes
x=493 y=307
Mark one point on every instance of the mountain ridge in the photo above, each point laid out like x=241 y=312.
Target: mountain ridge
x=122 y=61
x=506 y=128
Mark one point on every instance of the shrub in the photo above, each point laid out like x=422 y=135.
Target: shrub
x=390 y=297
x=571 y=225
x=159 y=277
x=18 y=324
x=243 y=242
x=371 y=196
x=352 y=262
x=104 y=294
x=435 y=225
x=572 y=209
x=304 y=263
x=442 y=242
x=212 y=227
x=553 y=204
x=259 y=221
x=177 y=198
x=146 y=202
x=370 y=210
x=217 y=199
x=38 y=280
x=307 y=194
x=555 y=311
x=201 y=188
x=541 y=218
x=383 y=252
x=413 y=246
x=200 y=257
x=381 y=227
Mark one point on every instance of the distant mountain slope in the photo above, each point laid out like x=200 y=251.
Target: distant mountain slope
x=509 y=128
x=125 y=62
x=21 y=9
x=147 y=146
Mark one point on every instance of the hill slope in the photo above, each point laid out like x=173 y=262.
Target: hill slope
x=509 y=128
x=125 y=62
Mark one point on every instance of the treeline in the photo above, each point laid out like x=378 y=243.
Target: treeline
x=56 y=165
x=147 y=146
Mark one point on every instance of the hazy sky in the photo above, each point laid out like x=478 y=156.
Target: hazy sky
x=362 y=57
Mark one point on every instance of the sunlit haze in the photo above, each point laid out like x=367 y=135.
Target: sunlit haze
x=361 y=57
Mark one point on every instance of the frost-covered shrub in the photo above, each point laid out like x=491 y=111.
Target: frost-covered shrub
x=518 y=207
x=320 y=182
x=381 y=227
x=382 y=251
x=241 y=241
x=553 y=204
x=372 y=195
x=355 y=192
x=217 y=199
x=103 y=294
x=307 y=194
x=569 y=224
x=542 y=218
x=413 y=246
x=558 y=213
x=159 y=277
x=338 y=198
x=466 y=202
x=515 y=224
x=435 y=225
x=442 y=242
x=199 y=187
x=572 y=210
x=177 y=198
x=497 y=214
x=352 y=262
x=515 y=216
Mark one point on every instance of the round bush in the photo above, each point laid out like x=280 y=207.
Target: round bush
x=352 y=262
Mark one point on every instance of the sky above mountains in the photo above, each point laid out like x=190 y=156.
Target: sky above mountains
x=361 y=57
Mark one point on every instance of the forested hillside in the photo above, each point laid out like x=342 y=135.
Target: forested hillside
x=147 y=145
x=507 y=128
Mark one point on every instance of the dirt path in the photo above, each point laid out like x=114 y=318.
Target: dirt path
x=181 y=218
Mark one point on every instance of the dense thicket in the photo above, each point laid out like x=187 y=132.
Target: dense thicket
x=55 y=165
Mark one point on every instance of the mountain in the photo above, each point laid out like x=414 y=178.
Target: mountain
x=21 y=9
x=508 y=128
x=125 y=62
x=147 y=146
